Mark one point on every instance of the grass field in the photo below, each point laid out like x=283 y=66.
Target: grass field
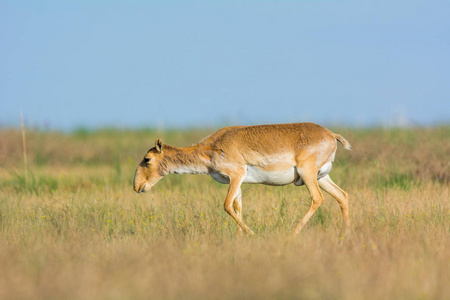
x=73 y=228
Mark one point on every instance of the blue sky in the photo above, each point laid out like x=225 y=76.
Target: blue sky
x=69 y=64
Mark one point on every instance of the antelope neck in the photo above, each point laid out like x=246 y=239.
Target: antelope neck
x=186 y=160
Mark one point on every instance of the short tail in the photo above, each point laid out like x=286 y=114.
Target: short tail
x=343 y=141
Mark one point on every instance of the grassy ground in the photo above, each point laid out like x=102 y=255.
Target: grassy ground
x=74 y=229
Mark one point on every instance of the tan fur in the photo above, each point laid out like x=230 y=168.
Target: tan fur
x=275 y=154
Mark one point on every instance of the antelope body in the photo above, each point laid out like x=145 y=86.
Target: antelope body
x=278 y=154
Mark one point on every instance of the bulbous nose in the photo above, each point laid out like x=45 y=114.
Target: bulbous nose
x=142 y=189
x=142 y=182
x=137 y=188
x=139 y=185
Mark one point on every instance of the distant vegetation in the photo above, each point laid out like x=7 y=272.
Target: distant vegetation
x=73 y=228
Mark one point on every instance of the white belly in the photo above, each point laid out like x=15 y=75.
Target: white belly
x=286 y=176
x=279 y=177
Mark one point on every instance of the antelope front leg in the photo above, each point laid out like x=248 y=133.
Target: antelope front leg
x=237 y=206
x=233 y=193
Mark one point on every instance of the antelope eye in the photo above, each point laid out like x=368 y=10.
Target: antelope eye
x=147 y=160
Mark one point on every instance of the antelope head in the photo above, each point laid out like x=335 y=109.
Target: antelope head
x=150 y=170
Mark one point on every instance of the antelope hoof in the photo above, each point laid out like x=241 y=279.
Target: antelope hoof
x=250 y=232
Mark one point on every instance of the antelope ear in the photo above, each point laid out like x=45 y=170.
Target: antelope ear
x=159 y=145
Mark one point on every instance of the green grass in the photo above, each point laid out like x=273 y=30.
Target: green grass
x=76 y=229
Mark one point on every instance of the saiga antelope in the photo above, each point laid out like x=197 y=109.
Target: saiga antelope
x=279 y=154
